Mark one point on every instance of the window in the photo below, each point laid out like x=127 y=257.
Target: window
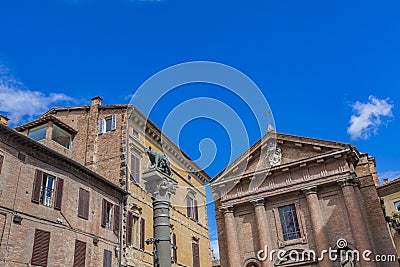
x=135 y=168
x=289 y=222
x=83 y=204
x=142 y=233
x=47 y=189
x=38 y=133
x=135 y=133
x=174 y=249
x=190 y=179
x=107 y=216
x=107 y=124
x=107 y=258
x=196 y=256
x=79 y=254
x=62 y=137
x=397 y=205
x=40 y=250
x=1 y=162
x=192 y=208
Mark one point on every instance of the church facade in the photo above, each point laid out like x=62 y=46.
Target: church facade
x=308 y=203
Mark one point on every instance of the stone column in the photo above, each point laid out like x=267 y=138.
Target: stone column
x=317 y=223
x=231 y=237
x=357 y=224
x=161 y=187
x=262 y=225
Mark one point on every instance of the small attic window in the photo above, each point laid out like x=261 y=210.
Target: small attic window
x=38 y=133
x=61 y=136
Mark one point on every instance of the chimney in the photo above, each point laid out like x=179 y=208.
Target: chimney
x=96 y=101
x=386 y=180
x=3 y=119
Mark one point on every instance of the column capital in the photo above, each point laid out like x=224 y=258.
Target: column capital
x=226 y=209
x=348 y=181
x=258 y=201
x=308 y=190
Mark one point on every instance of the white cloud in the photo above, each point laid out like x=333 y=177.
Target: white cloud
x=21 y=104
x=368 y=116
x=215 y=248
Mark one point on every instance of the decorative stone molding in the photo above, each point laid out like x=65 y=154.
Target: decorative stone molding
x=348 y=181
x=258 y=201
x=312 y=189
x=226 y=209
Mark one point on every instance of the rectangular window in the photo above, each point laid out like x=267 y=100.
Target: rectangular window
x=40 y=250
x=142 y=233
x=62 y=137
x=129 y=226
x=289 y=222
x=1 y=162
x=196 y=256
x=83 y=204
x=397 y=205
x=135 y=169
x=107 y=258
x=80 y=254
x=192 y=208
x=108 y=124
x=107 y=208
x=135 y=231
x=135 y=133
x=174 y=248
x=38 y=133
x=47 y=190
x=116 y=219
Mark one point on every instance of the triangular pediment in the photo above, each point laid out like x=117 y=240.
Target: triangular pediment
x=281 y=149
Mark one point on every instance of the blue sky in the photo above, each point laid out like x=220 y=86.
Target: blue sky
x=318 y=63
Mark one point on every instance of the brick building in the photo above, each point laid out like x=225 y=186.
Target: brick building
x=53 y=210
x=100 y=138
x=315 y=193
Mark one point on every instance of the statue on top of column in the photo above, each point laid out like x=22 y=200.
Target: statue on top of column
x=159 y=161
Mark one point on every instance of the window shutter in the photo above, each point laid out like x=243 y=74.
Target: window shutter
x=40 y=250
x=142 y=233
x=129 y=225
x=104 y=213
x=80 y=254
x=1 y=162
x=175 y=249
x=189 y=208
x=107 y=258
x=195 y=250
x=135 y=168
x=59 y=193
x=37 y=184
x=102 y=123
x=116 y=219
x=83 y=204
x=113 y=122
x=196 y=211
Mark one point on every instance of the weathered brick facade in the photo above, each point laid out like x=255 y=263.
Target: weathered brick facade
x=109 y=153
x=21 y=214
x=316 y=193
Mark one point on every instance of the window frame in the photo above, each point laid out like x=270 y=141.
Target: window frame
x=58 y=128
x=102 y=124
x=289 y=210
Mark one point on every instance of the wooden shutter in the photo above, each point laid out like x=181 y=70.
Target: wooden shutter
x=102 y=123
x=83 y=204
x=189 y=206
x=107 y=258
x=40 y=250
x=142 y=233
x=175 y=248
x=80 y=254
x=116 y=219
x=195 y=251
x=59 y=194
x=104 y=213
x=113 y=122
x=1 y=162
x=196 y=211
x=37 y=186
x=135 y=168
x=129 y=225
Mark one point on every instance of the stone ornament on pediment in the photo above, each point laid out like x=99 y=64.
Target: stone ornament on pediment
x=274 y=156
